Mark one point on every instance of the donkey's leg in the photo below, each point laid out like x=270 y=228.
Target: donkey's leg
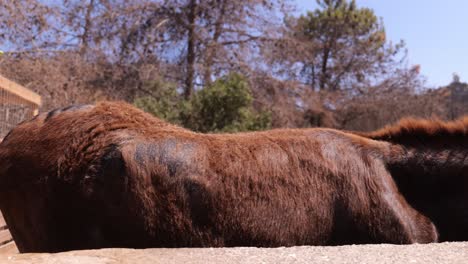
x=390 y=218
x=26 y=213
x=397 y=222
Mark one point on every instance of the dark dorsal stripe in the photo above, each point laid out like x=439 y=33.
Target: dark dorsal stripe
x=67 y=109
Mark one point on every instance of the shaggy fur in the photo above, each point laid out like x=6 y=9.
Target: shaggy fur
x=110 y=175
x=429 y=162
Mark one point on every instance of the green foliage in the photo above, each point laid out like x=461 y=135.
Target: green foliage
x=223 y=106
x=340 y=19
x=164 y=101
x=349 y=43
x=226 y=106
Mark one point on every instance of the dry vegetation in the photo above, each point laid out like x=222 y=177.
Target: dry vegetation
x=330 y=67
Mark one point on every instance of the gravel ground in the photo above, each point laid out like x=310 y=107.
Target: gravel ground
x=430 y=253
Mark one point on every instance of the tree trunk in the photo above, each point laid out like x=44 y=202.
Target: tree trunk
x=211 y=52
x=86 y=27
x=190 y=50
x=323 y=77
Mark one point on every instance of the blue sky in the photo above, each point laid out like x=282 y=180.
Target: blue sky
x=435 y=32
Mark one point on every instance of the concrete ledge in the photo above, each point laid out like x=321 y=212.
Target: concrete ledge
x=431 y=253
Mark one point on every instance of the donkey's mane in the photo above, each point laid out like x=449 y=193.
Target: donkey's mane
x=408 y=128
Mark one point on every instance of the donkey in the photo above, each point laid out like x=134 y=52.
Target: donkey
x=110 y=175
x=429 y=163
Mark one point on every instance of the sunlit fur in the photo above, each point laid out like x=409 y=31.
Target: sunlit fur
x=111 y=175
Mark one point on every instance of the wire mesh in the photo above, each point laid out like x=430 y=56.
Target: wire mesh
x=13 y=110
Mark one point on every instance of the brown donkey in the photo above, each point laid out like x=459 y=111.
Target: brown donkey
x=429 y=162
x=110 y=175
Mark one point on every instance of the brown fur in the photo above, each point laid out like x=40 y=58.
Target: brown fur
x=112 y=176
x=429 y=162
x=409 y=128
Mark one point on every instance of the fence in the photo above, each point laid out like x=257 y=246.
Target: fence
x=7 y=245
x=16 y=104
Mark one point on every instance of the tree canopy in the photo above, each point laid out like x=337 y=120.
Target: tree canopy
x=216 y=65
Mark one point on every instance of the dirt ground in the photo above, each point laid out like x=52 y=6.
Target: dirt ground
x=431 y=253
